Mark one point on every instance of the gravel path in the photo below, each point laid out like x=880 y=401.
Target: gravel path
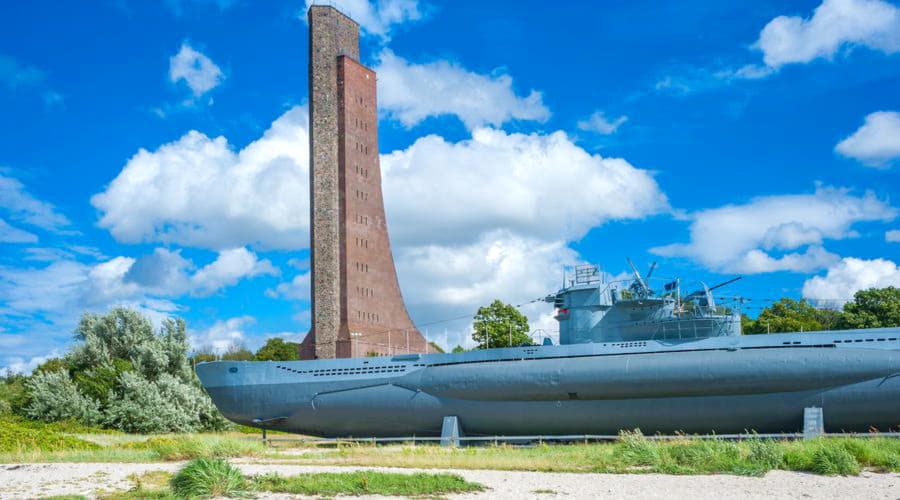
x=19 y=481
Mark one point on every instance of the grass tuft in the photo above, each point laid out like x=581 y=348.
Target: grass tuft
x=365 y=483
x=208 y=478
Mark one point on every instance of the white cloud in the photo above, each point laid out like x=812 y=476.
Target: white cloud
x=509 y=181
x=743 y=238
x=198 y=192
x=850 y=275
x=376 y=18
x=413 y=92
x=197 y=70
x=25 y=366
x=296 y=289
x=165 y=272
x=10 y=234
x=835 y=24
x=25 y=208
x=60 y=291
x=598 y=122
x=892 y=236
x=221 y=335
x=877 y=142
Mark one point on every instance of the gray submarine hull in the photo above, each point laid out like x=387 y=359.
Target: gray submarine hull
x=718 y=385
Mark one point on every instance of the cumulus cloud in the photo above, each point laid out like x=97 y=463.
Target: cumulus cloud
x=198 y=71
x=198 y=192
x=221 y=336
x=877 y=142
x=376 y=18
x=851 y=275
x=411 y=92
x=835 y=24
x=743 y=238
x=598 y=122
x=522 y=183
x=892 y=236
x=166 y=272
x=22 y=207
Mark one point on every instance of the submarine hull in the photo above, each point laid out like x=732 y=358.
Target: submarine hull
x=719 y=387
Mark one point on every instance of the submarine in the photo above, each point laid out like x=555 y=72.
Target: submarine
x=628 y=357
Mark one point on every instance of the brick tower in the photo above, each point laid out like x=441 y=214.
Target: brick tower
x=357 y=308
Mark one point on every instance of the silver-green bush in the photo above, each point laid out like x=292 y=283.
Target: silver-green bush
x=141 y=380
x=55 y=397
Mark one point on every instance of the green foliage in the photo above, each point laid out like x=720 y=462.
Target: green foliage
x=15 y=437
x=276 y=349
x=873 y=308
x=55 y=397
x=52 y=365
x=208 y=478
x=500 y=325
x=13 y=394
x=787 y=315
x=458 y=349
x=434 y=348
x=99 y=382
x=365 y=483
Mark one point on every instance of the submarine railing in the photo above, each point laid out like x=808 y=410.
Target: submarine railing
x=573 y=437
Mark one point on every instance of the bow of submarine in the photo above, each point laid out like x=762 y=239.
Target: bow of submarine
x=251 y=393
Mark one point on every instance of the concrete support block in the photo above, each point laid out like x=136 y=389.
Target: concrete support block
x=450 y=432
x=813 y=422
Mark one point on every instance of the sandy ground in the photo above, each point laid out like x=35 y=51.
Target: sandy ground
x=20 y=481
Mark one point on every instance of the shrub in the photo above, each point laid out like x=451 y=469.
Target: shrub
x=208 y=478
x=55 y=397
x=124 y=375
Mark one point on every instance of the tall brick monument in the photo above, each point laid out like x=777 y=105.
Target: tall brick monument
x=357 y=308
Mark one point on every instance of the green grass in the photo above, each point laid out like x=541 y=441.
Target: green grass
x=365 y=483
x=27 y=446
x=188 y=447
x=63 y=426
x=632 y=454
x=205 y=477
x=15 y=438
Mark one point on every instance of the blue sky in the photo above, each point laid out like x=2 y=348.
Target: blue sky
x=153 y=154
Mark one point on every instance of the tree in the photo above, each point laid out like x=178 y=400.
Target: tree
x=873 y=308
x=237 y=352
x=276 y=349
x=458 y=349
x=786 y=315
x=500 y=325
